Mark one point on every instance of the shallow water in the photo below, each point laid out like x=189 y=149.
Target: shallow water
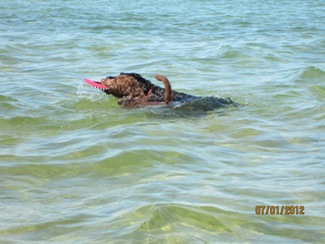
x=77 y=168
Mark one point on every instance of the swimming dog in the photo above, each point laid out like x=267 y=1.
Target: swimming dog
x=134 y=91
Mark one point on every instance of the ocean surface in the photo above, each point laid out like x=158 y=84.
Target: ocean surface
x=75 y=167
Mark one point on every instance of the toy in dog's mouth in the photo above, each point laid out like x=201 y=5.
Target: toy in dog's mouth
x=96 y=84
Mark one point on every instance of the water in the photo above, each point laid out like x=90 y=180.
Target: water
x=77 y=168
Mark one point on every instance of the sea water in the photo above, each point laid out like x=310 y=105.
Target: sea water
x=77 y=168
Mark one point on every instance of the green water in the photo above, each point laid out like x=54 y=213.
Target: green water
x=77 y=168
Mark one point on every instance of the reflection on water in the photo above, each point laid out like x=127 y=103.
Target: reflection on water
x=76 y=167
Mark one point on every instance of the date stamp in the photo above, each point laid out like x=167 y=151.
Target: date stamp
x=280 y=210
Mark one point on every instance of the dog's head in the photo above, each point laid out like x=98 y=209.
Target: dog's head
x=129 y=85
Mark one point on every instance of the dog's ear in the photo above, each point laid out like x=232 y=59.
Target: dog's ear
x=145 y=84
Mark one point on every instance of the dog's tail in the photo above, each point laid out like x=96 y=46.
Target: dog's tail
x=168 y=88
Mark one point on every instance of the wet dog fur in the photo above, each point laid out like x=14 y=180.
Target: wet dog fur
x=134 y=91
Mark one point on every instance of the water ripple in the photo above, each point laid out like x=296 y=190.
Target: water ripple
x=76 y=167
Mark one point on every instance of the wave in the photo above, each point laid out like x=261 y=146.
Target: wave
x=313 y=72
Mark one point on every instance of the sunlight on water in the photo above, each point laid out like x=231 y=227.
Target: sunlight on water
x=76 y=167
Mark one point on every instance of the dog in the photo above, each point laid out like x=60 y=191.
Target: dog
x=134 y=91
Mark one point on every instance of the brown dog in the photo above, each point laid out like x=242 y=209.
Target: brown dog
x=134 y=91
